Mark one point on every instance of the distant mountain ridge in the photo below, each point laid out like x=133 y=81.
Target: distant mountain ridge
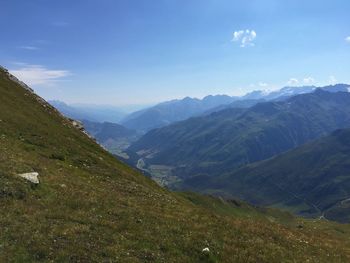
x=243 y=104
x=222 y=141
x=166 y=113
x=172 y=111
x=258 y=96
x=292 y=91
x=98 y=113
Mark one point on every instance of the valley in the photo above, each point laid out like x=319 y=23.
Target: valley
x=175 y=131
x=198 y=153
x=88 y=206
x=207 y=153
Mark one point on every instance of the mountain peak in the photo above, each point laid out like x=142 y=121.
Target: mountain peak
x=90 y=207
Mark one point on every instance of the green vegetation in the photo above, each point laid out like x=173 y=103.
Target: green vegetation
x=162 y=175
x=312 y=180
x=89 y=207
x=114 y=137
x=223 y=141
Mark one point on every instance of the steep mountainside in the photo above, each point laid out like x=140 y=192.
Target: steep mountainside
x=114 y=137
x=225 y=140
x=89 y=207
x=106 y=130
x=313 y=179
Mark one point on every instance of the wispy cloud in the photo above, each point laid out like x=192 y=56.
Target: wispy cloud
x=347 y=39
x=263 y=84
x=244 y=37
x=38 y=74
x=309 y=80
x=32 y=48
x=332 y=80
x=293 y=81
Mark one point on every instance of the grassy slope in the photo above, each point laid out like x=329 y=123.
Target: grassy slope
x=311 y=179
x=89 y=207
x=223 y=141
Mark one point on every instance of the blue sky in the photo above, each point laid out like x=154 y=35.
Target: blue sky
x=143 y=51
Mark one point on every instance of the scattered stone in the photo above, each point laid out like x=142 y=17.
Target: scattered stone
x=31 y=177
x=77 y=124
x=13 y=78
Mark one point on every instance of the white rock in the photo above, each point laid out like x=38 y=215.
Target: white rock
x=205 y=250
x=31 y=177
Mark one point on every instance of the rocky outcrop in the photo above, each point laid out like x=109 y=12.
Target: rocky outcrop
x=14 y=79
x=79 y=126
x=31 y=177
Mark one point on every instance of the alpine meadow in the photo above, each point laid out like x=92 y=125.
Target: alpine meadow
x=175 y=131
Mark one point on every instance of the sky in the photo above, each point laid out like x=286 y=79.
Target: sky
x=126 y=52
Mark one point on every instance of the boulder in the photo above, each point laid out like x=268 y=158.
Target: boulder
x=31 y=177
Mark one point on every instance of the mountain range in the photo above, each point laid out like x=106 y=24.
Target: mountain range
x=86 y=206
x=223 y=141
x=311 y=180
x=258 y=96
x=94 y=113
x=172 y=111
x=166 y=113
x=272 y=123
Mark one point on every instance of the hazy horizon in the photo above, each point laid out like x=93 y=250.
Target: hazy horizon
x=135 y=107
x=142 y=53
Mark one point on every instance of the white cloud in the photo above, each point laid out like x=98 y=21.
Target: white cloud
x=263 y=84
x=332 y=80
x=38 y=75
x=244 y=37
x=309 y=80
x=237 y=35
x=293 y=81
x=347 y=39
x=29 y=47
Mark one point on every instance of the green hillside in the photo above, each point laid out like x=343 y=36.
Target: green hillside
x=312 y=180
x=89 y=207
x=225 y=140
x=114 y=137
